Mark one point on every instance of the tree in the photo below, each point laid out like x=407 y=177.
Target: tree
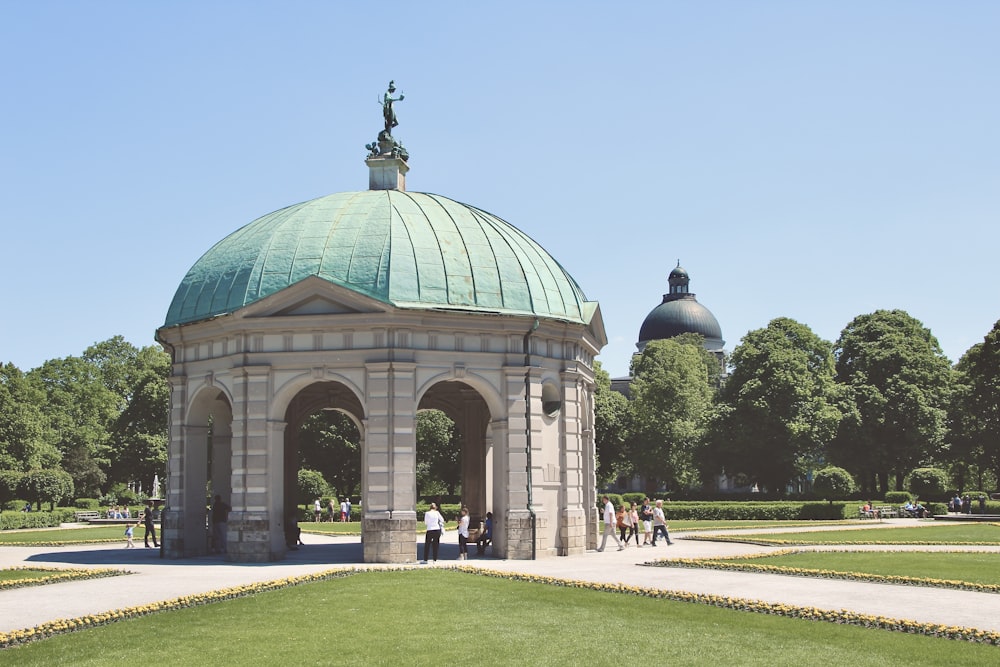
x=46 y=486
x=899 y=380
x=611 y=429
x=24 y=433
x=928 y=482
x=79 y=410
x=670 y=396
x=330 y=443
x=974 y=417
x=10 y=485
x=833 y=483
x=138 y=437
x=439 y=461
x=311 y=485
x=777 y=411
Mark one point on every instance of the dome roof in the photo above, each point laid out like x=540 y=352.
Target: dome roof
x=677 y=316
x=681 y=313
x=407 y=249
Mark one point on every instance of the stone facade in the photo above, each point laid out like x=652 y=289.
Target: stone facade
x=519 y=389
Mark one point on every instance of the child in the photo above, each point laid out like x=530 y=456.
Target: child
x=128 y=536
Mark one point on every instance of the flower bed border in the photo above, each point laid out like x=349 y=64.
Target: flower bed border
x=729 y=563
x=840 y=616
x=57 y=575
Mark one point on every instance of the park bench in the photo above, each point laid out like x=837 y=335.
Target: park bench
x=87 y=515
x=887 y=511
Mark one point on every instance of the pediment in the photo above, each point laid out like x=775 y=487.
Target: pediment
x=314 y=296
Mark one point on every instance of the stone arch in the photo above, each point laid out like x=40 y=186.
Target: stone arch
x=310 y=398
x=206 y=459
x=465 y=404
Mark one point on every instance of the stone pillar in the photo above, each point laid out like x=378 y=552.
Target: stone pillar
x=172 y=517
x=255 y=529
x=517 y=524
x=389 y=522
x=572 y=536
x=194 y=512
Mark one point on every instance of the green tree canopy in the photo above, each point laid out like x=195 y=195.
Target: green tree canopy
x=777 y=411
x=974 y=416
x=928 y=483
x=46 y=486
x=330 y=443
x=833 y=483
x=899 y=380
x=439 y=453
x=311 y=485
x=25 y=439
x=671 y=393
x=611 y=429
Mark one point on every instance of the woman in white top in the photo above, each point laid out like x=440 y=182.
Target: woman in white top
x=432 y=538
x=463 y=534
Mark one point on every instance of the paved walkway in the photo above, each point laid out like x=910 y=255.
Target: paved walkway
x=156 y=579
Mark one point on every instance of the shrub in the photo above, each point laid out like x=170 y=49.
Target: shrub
x=86 y=504
x=897 y=497
x=927 y=482
x=311 y=485
x=833 y=483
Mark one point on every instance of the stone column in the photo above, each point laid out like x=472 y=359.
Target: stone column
x=573 y=515
x=255 y=530
x=389 y=522
x=513 y=473
x=172 y=517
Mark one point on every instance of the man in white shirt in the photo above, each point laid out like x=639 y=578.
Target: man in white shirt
x=660 y=523
x=609 y=524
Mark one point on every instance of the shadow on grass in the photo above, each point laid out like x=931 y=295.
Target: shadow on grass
x=345 y=551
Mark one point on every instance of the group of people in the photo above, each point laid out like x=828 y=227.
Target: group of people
x=627 y=521
x=435 y=527
x=343 y=511
x=915 y=510
x=116 y=512
x=963 y=504
x=148 y=522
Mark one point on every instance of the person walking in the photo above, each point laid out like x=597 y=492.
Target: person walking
x=624 y=522
x=609 y=525
x=432 y=538
x=463 y=534
x=633 y=517
x=147 y=523
x=129 y=544
x=660 y=523
x=646 y=514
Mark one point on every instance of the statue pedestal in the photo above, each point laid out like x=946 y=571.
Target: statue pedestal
x=387 y=173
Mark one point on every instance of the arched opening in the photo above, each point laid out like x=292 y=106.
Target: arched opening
x=207 y=464
x=324 y=433
x=466 y=407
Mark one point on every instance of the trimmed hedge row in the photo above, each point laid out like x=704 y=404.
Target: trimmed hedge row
x=13 y=520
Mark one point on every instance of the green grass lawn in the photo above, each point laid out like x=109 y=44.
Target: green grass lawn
x=441 y=617
x=691 y=524
x=19 y=574
x=978 y=533
x=980 y=568
x=67 y=535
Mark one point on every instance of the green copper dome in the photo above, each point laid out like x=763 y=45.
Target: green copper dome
x=407 y=249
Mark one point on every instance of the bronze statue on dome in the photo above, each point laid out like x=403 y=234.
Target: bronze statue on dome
x=387 y=111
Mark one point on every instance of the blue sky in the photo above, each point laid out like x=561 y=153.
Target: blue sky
x=814 y=160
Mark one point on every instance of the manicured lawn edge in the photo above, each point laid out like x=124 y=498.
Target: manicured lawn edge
x=61 y=543
x=737 y=563
x=62 y=626
x=57 y=575
x=841 y=616
x=769 y=542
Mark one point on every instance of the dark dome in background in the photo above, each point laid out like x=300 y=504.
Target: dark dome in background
x=680 y=313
